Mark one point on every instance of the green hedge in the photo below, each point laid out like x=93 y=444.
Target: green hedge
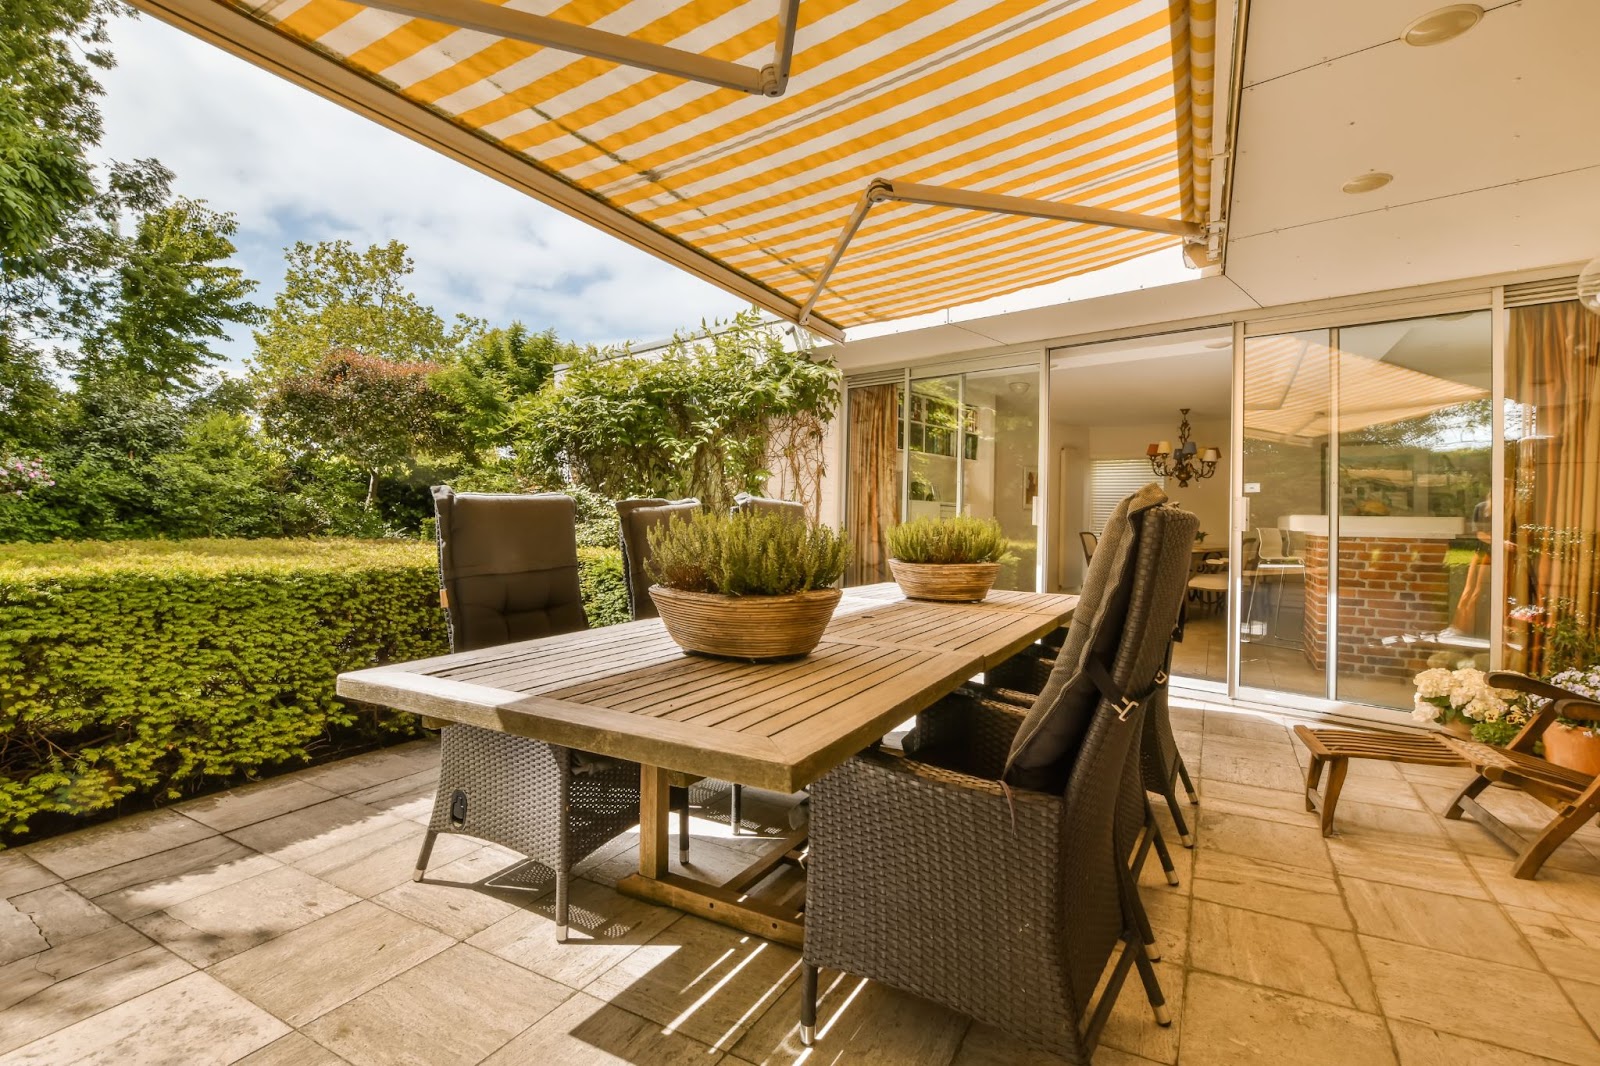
x=141 y=668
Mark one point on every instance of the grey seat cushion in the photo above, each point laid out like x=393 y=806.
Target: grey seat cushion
x=1041 y=753
x=766 y=505
x=637 y=517
x=508 y=565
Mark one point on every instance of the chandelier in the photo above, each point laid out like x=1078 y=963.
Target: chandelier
x=1187 y=463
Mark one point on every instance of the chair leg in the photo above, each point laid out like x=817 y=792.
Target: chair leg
x=1337 y=768
x=683 y=828
x=1475 y=786
x=736 y=808
x=1185 y=837
x=808 y=1004
x=1160 y=843
x=422 y=858
x=1134 y=906
x=1152 y=989
x=1562 y=826
x=1188 y=785
x=1313 y=779
x=562 y=877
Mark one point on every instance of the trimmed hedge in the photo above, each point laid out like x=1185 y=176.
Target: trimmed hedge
x=141 y=668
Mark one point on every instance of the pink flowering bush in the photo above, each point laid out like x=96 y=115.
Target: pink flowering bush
x=19 y=475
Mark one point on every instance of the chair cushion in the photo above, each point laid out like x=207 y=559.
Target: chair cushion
x=637 y=518
x=1041 y=754
x=766 y=505
x=508 y=565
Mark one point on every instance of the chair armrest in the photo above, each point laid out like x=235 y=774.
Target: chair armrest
x=1531 y=686
x=966 y=734
x=1579 y=710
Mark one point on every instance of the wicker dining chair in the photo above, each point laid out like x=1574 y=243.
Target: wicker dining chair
x=980 y=869
x=508 y=571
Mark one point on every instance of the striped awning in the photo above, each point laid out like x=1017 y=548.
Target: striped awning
x=1098 y=103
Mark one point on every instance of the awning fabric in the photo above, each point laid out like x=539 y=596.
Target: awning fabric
x=1098 y=102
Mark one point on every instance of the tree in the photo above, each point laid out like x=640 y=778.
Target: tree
x=376 y=414
x=172 y=294
x=497 y=371
x=700 y=420
x=335 y=297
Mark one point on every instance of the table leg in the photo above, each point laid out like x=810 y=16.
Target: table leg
x=655 y=811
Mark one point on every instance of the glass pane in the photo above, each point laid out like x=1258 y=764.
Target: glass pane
x=999 y=435
x=932 y=430
x=1552 y=488
x=873 y=484
x=1283 y=564
x=1415 y=443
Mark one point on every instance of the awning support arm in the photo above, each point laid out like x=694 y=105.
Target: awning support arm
x=880 y=190
x=512 y=24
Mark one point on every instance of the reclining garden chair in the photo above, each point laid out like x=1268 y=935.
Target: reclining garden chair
x=981 y=870
x=1572 y=794
x=508 y=571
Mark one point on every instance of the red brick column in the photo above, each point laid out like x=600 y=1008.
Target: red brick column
x=1389 y=588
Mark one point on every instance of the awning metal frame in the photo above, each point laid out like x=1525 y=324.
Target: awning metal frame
x=884 y=190
x=512 y=24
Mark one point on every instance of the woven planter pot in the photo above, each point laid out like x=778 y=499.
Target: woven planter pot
x=1573 y=748
x=949 y=582
x=746 y=627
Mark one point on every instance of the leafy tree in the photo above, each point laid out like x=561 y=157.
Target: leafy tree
x=378 y=415
x=498 y=370
x=172 y=295
x=335 y=297
x=697 y=421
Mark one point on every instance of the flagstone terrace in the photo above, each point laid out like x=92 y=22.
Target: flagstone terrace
x=278 y=923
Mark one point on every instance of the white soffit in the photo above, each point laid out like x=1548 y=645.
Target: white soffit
x=1480 y=133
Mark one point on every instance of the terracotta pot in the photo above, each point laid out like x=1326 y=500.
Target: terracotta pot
x=946 y=582
x=1573 y=748
x=1458 y=727
x=746 y=627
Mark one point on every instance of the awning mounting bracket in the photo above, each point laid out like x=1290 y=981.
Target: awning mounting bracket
x=512 y=24
x=881 y=190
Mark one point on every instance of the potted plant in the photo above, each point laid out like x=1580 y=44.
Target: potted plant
x=1569 y=742
x=1464 y=702
x=949 y=559
x=747 y=586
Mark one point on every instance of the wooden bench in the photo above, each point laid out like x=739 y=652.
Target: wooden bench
x=1334 y=748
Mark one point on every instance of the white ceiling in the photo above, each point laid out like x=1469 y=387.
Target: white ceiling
x=1486 y=137
x=1139 y=383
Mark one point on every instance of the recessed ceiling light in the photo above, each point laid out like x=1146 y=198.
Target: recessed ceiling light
x=1368 y=182
x=1226 y=342
x=1445 y=24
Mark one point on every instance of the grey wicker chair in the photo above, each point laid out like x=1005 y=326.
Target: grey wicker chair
x=981 y=869
x=508 y=571
x=766 y=505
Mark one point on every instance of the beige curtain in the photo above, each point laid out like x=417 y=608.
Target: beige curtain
x=1553 y=481
x=872 y=475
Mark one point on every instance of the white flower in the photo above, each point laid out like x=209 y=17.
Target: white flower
x=1433 y=683
x=1423 y=711
x=1465 y=687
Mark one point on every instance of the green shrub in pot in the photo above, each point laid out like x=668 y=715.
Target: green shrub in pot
x=950 y=559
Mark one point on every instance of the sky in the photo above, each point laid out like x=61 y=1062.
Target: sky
x=292 y=166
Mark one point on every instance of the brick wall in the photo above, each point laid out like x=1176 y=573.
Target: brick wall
x=1388 y=587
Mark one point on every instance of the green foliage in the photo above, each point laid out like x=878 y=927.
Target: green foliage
x=336 y=297
x=1499 y=733
x=497 y=371
x=605 y=591
x=143 y=668
x=961 y=539
x=696 y=421
x=747 y=554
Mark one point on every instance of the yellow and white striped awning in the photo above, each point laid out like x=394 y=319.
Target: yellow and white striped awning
x=1097 y=103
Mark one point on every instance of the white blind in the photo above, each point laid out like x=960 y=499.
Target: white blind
x=1112 y=479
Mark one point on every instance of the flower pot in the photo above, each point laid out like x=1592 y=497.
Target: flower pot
x=1574 y=748
x=1458 y=727
x=948 y=582
x=746 y=627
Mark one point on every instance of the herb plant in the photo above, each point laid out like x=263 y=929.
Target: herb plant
x=747 y=554
x=962 y=539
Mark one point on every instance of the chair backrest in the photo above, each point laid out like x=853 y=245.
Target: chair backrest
x=1041 y=754
x=1270 y=539
x=1088 y=540
x=1103 y=769
x=766 y=505
x=508 y=566
x=635 y=519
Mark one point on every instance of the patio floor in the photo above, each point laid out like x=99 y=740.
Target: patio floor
x=278 y=924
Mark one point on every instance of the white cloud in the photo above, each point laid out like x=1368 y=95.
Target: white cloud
x=293 y=166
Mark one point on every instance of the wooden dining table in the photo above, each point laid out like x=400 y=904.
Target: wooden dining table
x=629 y=692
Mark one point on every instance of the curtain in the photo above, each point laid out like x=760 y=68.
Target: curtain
x=873 y=479
x=1553 y=484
